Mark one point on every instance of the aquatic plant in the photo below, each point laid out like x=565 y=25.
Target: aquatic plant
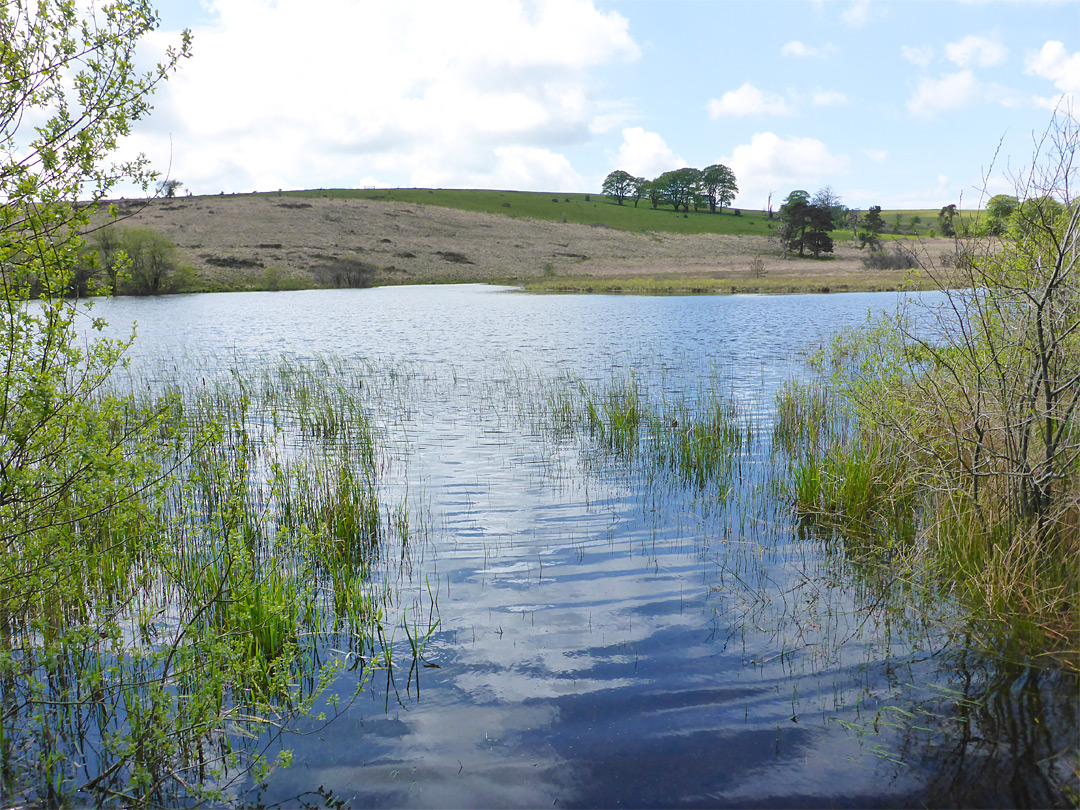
x=962 y=423
x=184 y=617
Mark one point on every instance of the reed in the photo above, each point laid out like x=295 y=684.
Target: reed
x=893 y=502
x=174 y=621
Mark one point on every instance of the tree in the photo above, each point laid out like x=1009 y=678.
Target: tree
x=804 y=225
x=655 y=192
x=619 y=185
x=1034 y=214
x=793 y=222
x=818 y=238
x=998 y=210
x=828 y=199
x=680 y=187
x=639 y=188
x=170 y=187
x=873 y=224
x=718 y=185
x=973 y=402
x=150 y=262
x=74 y=468
x=945 y=218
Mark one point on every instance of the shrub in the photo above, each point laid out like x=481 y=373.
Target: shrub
x=133 y=261
x=976 y=402
x=898 y=259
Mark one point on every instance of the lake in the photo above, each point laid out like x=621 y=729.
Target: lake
x=602 y=634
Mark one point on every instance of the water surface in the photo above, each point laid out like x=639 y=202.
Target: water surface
x=607 y=639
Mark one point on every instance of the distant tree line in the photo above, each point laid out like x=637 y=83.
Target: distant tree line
x=714 y=186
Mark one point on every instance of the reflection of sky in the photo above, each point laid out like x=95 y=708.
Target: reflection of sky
x=595 y=647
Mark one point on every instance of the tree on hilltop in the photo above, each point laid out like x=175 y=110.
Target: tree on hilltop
x=619 y=185
x=680 y=187
x=718 y=185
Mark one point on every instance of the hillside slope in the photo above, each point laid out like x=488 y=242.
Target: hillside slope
x=269 y=241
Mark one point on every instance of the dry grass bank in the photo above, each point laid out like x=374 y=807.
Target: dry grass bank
x=260 y=241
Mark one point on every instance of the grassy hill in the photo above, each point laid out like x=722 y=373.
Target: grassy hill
x=596 y=209
x=576 y=209
x=364 y=237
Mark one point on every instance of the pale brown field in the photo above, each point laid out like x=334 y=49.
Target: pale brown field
x=256 y=241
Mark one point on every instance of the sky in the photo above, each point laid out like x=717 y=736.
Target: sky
x=907 y=104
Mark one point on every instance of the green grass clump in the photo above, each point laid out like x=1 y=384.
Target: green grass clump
x=692 y=441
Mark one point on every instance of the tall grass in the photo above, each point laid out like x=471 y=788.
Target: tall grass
x=149 y=649
x=892 y=505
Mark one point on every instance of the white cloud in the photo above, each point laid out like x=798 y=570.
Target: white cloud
x=957 y=90
x=856 y=14
x=520 y=167
x=1054 y=63
x=876 y=155
x=770 y=163
x=828 y=98
x=747 y=100
x=798 y=49
x=645 y=154
x=947 y=93
x=920 y=55
x=931 y=196
x=977 y=51
x=463 y=92
x=612 y=115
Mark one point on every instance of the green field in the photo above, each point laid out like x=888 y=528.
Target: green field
x=581 y=209
x=596 y=209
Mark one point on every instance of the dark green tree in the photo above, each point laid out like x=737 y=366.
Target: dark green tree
x=680 y=187
x=871 y=228
x=818 y=238
x=654 y=192
x=945 y=219
x=618 y=185
x=998 y=210
x=718 y=186
x=804 y=225
x=828 y=199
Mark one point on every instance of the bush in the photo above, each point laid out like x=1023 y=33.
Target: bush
x=899 y=259
x=145 y=262
x=131 y=261
x=976 y=402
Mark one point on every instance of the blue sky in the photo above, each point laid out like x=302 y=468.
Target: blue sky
x=901 y=104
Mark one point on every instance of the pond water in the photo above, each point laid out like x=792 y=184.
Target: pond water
x=604 y=638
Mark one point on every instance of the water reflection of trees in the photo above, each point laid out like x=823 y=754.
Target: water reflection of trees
x=997 y=733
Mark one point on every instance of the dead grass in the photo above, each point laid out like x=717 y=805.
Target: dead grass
x=260 y=241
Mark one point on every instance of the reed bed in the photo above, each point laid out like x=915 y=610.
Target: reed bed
x=893 y=504
x=154 y=647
